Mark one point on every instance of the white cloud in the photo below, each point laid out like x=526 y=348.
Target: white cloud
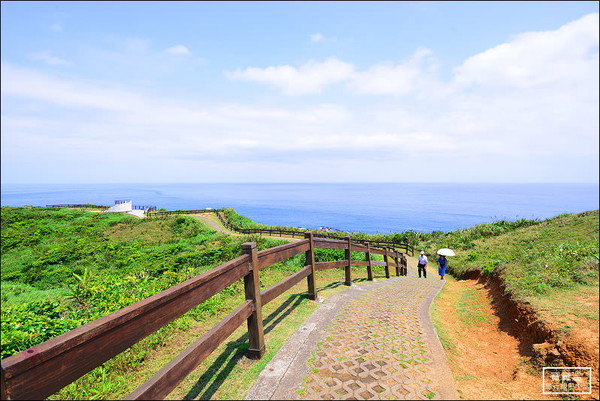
x=56 y=28
x=316 y=37
x=47 y=57
x=127 y=111
x=567 y=56
x=179 y=50
x=310 y=78
x=416 y=74
x=489 y=123
x=31 y=84
x=537 y=58
x=537 y=94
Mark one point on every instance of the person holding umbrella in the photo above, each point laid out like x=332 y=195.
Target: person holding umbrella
x=442 y=261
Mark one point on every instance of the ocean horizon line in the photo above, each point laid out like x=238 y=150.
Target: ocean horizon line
x=349 y=207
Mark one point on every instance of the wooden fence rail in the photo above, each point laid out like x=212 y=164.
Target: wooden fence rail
x=278 y=232
x=44 y=369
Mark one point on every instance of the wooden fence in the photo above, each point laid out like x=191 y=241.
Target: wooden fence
x=406 y=248
x=44 y=369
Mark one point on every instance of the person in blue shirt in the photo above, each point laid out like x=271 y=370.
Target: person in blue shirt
x=422 y=264
x=442 y=265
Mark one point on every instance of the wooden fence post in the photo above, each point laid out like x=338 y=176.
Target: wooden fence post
x=256 y=333
x=4 y=390
x=404 y=265
x=387 y=262
x=370 y=265
x=396 y=257
x=349 y=265
x=310 y=260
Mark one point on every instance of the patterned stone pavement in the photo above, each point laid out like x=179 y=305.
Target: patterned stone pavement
x=379 y=344
x=374 y=349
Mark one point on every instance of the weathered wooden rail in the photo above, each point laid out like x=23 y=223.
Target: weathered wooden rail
x=407 y=248
x=44 y=369
x=280 y=232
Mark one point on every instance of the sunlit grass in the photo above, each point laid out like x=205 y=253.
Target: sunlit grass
x=535 y=260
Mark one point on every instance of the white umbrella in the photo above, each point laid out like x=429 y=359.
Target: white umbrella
x=446 y=252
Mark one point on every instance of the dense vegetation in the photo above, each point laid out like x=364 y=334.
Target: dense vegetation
x=62 y=268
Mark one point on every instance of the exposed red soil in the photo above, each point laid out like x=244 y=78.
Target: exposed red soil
x=538 y=340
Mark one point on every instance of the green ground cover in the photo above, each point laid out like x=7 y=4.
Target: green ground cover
x=551 y=265
x=407 y=237
x=62 y=268
x=534 y=258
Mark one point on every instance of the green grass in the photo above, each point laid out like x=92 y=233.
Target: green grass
x=567 y=302
x=469 y=310
x=62 y=268
x=438 y=322
x=410 y=237
x=550 y=264
x=534 y=258
x=18 y=293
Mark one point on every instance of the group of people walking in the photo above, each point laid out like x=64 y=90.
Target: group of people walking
x=422 y=266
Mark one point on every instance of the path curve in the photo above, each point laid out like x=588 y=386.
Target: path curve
x=219 y=227
x=212 y=224
x=371 y=341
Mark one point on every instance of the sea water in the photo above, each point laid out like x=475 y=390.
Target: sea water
x=369 y=208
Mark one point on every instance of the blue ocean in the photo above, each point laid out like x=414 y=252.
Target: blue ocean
x=369 y=208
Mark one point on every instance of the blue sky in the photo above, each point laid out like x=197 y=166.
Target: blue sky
x=299 y=92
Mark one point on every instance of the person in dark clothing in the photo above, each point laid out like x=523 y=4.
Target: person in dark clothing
x=442 y=265
x=422 y=264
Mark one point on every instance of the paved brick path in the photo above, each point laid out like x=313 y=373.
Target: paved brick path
x=374 y=341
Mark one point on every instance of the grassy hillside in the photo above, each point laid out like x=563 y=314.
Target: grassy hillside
x=534 y=258
x=550 y=268
x=410 y=237
x=62 y=268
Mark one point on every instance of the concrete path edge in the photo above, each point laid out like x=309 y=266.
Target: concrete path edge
x=438 y=354
x=281 y=377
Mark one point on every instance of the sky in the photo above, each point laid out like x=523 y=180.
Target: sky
x=285 y=92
